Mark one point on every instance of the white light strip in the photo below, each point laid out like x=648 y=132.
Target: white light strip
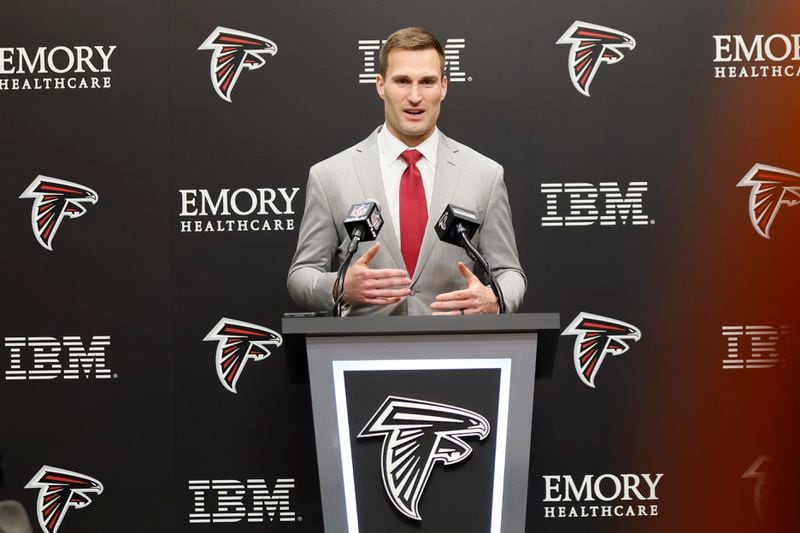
x=502 y=437
x=344 y=446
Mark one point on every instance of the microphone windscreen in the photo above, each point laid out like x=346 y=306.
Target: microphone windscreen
x=365 y=217
x=451 y=218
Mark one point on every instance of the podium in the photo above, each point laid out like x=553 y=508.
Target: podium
x=422 y=423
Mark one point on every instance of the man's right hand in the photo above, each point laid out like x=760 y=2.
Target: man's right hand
x=375 y=286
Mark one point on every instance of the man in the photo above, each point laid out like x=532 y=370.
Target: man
x=413 y=171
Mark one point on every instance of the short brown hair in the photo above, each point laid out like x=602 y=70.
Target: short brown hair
x=413 y=38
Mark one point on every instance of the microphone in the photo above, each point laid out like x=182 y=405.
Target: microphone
x=457 y=226
x=455 y=220
x=363 y=223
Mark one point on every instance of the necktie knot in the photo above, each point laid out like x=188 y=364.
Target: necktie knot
x=411 y=157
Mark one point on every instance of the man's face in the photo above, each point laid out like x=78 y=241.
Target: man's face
x=412 y=93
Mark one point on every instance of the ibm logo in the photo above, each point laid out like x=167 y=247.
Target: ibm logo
x=754 y=347
x=452 y=60
x=582 y=208
x=46 y=362
x=236 y=501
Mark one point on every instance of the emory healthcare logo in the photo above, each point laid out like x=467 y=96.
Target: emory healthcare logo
x=416 y=435
x=238 y=342
x=757 y=56
x=598 y=336
x=53 y=200
x=60 y=490
x=590 y=46
x=603 y=496
x=234 y=50
x=55 y=68
x=771 y=188
x=240 y=209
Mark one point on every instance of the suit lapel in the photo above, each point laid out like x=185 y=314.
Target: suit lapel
x=368 y=172
x=444 y=185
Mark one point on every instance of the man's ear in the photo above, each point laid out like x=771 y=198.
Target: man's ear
x=444 y=87
x=379 y=85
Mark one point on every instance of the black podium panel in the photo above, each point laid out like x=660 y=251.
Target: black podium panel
x=423 y=425
x=456 y=497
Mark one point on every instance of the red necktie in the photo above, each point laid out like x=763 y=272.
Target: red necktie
x=413 y=210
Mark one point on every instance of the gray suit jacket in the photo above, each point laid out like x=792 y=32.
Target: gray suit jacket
x=463 y=177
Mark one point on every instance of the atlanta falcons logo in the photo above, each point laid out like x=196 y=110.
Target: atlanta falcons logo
x=53 y=200
x=60 y=490
x=760 y=471
x=234 y=50
x=416 y=435
x=598 y=336
x=771 y=187
x=238 y=342
x=591 y=46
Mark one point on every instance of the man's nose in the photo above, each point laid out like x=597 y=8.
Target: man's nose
x=414 y=95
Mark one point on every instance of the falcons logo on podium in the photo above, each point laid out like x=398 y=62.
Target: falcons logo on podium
x=60 y=490
x=238 y=342
x=771 y=187
x=416 y=435
x=591 y=46
x=598 y=336
x=54 y=200
x=234 y=51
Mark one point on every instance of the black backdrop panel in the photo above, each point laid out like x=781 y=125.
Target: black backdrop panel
x=108 y=274
x=303 y=105
x=200 y=193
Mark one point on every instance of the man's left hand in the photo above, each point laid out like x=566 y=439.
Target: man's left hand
x=477 y=298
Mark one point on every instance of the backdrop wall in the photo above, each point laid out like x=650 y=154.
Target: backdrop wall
x=148 y=192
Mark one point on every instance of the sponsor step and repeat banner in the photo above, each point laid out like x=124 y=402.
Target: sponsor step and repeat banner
x=153 y=183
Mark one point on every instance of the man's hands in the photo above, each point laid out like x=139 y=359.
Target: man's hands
x=477 y=298
x=377 y=286
x=382 y=286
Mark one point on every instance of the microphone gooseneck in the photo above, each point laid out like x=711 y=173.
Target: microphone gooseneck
x=363 y=223
x=473 y=254
x=457 y=226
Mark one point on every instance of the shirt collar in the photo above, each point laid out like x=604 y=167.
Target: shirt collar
x=391 y=147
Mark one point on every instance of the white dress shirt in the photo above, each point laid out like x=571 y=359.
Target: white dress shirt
x=393 y=166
